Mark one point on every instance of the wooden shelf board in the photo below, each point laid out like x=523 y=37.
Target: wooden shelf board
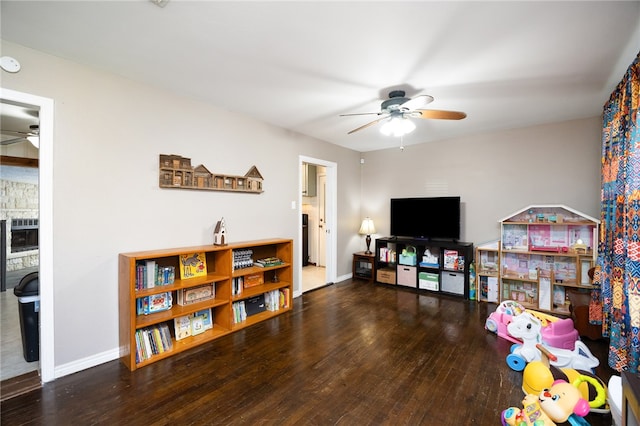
x=176 y=311
x=257 y=269
x=257 y=318
x=187 y=343
x=259 y=289
x=180 y=284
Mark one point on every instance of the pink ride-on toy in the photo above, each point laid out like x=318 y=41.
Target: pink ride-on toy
x=556 y=332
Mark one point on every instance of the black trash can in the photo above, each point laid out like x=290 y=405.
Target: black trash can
x=28 y=293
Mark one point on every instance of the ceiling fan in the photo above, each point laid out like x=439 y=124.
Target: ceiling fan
x=398 y=109
x=15 y=136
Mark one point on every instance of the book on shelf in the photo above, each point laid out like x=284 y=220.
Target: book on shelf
x=166 y=275
x=197 y=325
x=450 y=259
x=387 y=255
x=272 y=300
x=242 y=258
x=256 y=304
x=154 y=303
x=193 y=324
x=253 y=280
x=193 y=265
x=152 y=341
x=191 y=295
x=207 y=318
x=237 y=284
x=558 y=296
x=268 y=261
x=239 y=312
x=284 y=298
x=182 y=327
x=149 y=274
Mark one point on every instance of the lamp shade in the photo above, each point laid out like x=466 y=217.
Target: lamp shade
x=367 y=227
x=397 y=126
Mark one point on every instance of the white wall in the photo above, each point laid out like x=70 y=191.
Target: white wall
x=495 y=174
x=108 y=134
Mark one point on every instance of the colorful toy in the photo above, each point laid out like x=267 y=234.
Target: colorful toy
x=538 y=376
x=556 y=332
x=559 y=403
x=562 y=402
x=531 y=414
x=528 y=328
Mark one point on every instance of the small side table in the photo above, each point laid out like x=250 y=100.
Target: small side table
x=364 y=267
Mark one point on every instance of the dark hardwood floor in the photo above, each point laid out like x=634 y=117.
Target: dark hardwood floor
x=349 y=354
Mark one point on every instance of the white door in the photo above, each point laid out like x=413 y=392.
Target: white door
x=322 y=220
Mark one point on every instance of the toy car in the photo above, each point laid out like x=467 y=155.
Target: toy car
x=556 y=332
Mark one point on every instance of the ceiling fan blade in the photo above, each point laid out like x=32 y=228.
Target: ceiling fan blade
x=368 y=124
x=12 y=141
x=361 y=113
x=17 y=133
x=417 y=102
x=440 y=114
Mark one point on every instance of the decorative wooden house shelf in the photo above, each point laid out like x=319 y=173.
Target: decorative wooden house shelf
x=177 y=172
x=544 y=253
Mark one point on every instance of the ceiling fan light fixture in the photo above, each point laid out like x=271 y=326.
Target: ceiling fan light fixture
x=397 y=126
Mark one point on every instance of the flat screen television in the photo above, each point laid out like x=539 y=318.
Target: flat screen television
x=433 y=218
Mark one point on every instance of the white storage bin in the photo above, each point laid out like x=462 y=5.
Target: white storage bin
x=452 y=282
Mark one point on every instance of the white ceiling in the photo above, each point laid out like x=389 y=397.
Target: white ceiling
x=299 y=65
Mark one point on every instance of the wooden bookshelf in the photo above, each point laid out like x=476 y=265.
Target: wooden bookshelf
x=220 y=274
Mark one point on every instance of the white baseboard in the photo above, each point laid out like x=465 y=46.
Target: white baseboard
x=344 y=277
x=83 y=364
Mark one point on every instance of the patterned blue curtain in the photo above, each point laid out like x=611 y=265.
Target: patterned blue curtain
x=616 y=298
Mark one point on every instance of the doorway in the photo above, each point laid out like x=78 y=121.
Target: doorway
x=318 y=214
x=44 y=109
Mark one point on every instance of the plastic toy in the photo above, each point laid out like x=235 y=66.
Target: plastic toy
x=528 y=328
x=538 y=376
x=562 y=402
x=559 y=403
x=556 y=332
x=531 y=414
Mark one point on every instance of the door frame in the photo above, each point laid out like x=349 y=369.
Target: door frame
x=331 y=204
x=45 y=231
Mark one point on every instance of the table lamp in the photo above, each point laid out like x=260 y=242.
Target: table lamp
x=367 y=228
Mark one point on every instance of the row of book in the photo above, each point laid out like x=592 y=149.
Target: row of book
x=387 y=255
x=193 y=324
x=277 y=299
x=152 y=340
x=242 y=258
x=239 y=312
x=270 y=301
x=237 y=284
x=149 y=274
